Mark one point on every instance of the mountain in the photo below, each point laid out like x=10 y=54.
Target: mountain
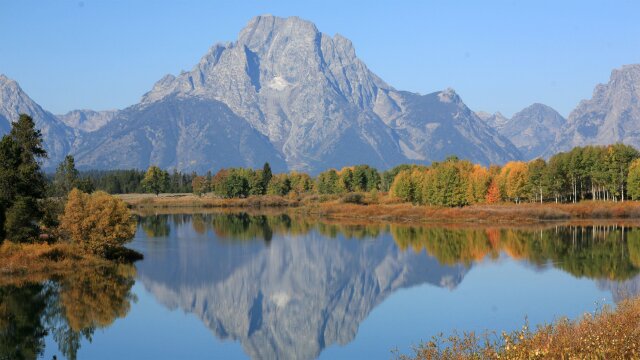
x=320 y=106
x=533 y=130
x=284 y=93
x=495 y=120
x=611 y=115
x=87 y=120
x=185 y=133
x=14 y=101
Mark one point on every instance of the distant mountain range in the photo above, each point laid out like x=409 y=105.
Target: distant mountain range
x=302 y=100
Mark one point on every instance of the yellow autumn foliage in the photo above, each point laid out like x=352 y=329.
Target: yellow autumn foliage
x=99 y=222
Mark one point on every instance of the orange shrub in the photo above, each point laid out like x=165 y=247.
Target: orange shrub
x=99 y=222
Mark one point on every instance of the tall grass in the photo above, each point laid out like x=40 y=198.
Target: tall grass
x=607 y=334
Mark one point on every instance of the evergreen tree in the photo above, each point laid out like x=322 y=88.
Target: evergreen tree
x=66 y=177
x=266 y=176
x=22 y=183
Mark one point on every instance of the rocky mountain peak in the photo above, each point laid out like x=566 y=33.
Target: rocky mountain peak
x=264 y=30
x=286 y=93
x=6 y=82
x=533 y=130
x=495 y=120
x=449 y=95
x=14 y=101
x=611 y=115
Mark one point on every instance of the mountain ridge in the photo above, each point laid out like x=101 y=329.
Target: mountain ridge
x=309 y=103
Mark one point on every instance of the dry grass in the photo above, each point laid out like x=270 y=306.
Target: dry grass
x=382 y=207
x=498 y=213
x=608 y=334
x=205 y=201
x=27 y=263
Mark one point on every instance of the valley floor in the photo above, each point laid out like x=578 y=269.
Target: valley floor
x=333 y=207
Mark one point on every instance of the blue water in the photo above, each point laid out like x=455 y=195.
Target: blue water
x=226 y=288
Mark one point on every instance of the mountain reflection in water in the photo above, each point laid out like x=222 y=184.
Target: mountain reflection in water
x=289 y=287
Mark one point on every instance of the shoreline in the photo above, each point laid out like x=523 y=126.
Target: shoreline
x=37 y=262
x=334 y=209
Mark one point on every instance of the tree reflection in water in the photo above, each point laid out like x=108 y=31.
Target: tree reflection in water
x=597 y=252
x=322 y=289
x=70 y=307
x=319 y=279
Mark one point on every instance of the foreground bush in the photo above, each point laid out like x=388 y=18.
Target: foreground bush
x=608 y=334
x=99 y=222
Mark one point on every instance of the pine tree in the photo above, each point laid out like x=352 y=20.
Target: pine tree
x=66 y=177
x=266 y=176
x=22 y=183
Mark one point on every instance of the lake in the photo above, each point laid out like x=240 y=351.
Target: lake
x=236 y=286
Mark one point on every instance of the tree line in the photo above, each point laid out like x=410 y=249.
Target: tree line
x=116 y=181
x=608 y=173
x=33 y=209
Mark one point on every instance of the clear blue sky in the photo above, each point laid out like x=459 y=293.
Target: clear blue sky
x=499 y=55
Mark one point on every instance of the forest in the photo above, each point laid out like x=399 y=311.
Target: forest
x=606 y=173
x=64 y=211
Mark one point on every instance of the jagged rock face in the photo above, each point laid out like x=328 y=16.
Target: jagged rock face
x=187 y=134
x=534 y=130
x=87 y=120
x=434 y=126
x=495 y=120
x=322 y=107
x=307 y=93
x=14 y=101
x=611 y=115
x=290 y=298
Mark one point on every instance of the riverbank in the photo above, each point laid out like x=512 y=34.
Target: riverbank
x=383 y=209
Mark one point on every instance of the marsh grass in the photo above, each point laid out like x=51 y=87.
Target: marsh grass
x=381 y=206
x=606 y=334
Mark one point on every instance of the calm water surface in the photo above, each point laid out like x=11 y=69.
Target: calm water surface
x=235 y=286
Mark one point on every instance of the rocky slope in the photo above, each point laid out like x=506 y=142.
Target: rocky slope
x=320 y=106
x=495 y=120
x=534 y=130
x=611 y=115
x=284 y=93
x=87 y=120
x=14 y=101
x=186 y=133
